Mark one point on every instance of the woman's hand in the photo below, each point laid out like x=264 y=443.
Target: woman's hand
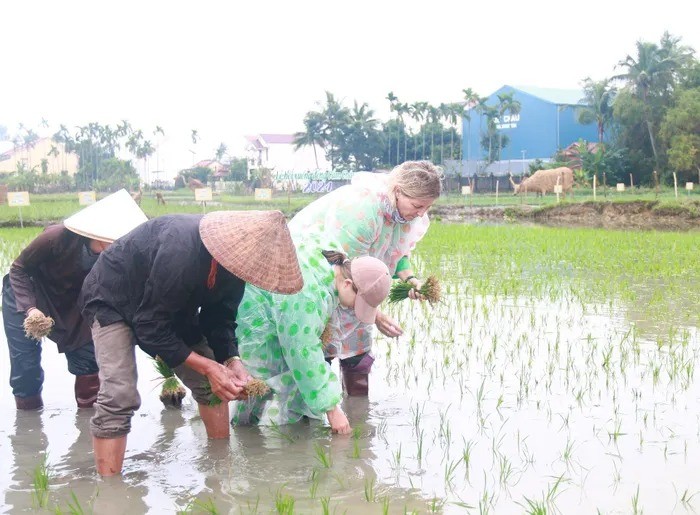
x=31 y=311
x=239 y=376
x=338 y=420
x=414 y=293
x=387 y=325
x=223 y=384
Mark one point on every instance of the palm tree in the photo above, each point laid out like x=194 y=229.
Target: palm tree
x=471 y=100
x=418 y=114
x=651 y=73
x=506 y=105
x=393 y=103
x=598 y=99
x=402 y=109
x=313 y=134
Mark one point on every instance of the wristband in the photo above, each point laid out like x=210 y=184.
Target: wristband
x=231 y=360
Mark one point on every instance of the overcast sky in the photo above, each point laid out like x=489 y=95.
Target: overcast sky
x=230 y=68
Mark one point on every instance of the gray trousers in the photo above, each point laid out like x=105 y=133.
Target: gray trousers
x=118 y=398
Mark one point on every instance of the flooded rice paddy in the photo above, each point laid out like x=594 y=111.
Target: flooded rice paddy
x=558 y=375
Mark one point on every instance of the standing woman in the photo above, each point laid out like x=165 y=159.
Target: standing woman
x=281 y=337
x=380 y=215
x=45 y=280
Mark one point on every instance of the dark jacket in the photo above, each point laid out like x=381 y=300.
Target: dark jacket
x=155 y=280
x=48 y=275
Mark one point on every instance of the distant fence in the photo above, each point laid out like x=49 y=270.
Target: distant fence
x=479 y=183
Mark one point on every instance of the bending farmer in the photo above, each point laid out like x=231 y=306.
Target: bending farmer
x=44 y=281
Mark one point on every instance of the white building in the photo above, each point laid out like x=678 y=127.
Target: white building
x=276 y=152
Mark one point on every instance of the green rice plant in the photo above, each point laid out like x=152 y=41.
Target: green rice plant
x=325 y=505
x=284 y=503
x=369 y=489
x=74 y=507
x=40 y=484
x=276 y=431
x=323 y=456
x=199 y=506
x=385 y=505
x=314 y=478
x=356 y=443
x=430 y=289
x=636 y=510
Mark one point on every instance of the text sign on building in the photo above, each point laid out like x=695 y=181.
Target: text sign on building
x=263 y=194
x=689 y=186
x=202 y=194
x=85 y=198
x=17 y=198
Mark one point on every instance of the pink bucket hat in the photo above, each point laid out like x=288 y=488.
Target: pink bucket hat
x=372 y=280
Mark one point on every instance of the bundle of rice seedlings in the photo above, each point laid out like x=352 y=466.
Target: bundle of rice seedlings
x=37 y=325
x=430 y=289
x=172 y=391
x=256 y=388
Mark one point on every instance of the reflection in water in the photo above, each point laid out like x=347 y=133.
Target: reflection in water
x=577 y=395
x=28 y=443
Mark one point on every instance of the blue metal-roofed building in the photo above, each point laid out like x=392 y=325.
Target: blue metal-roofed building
x=546 y=123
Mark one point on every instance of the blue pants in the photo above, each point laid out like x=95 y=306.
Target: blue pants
x=26 y=374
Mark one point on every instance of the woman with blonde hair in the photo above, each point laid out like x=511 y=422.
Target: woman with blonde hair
x=380 y=215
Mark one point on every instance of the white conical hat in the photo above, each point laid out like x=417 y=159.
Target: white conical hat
x=107 y=219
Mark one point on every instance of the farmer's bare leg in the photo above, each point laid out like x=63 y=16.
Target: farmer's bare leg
x=215 y=417
x=118 y=397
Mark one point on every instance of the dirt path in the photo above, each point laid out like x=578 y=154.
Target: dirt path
x=610 y=215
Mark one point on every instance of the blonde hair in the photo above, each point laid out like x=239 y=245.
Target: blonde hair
x=415 y=179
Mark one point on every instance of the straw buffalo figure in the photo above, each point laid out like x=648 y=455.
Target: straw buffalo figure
x=543 y=181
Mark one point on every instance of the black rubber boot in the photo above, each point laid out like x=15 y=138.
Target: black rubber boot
x=29 y=403
x=86 y=388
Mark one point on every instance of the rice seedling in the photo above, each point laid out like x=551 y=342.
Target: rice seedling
x=323 y=456
x=172 y=391
x=40 y=484
x=200 y=506
x=369 y=489
x=37 y=325
x=356 y=443
x=385 y=505
x=284 y=503
x=74 y=507
x=430 y=289
x=314 y=479
x=325 y=505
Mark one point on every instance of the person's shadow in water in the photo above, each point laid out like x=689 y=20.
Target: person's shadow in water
x=29 y=445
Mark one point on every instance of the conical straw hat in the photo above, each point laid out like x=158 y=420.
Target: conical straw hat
x=107 y=219
x=255 y=246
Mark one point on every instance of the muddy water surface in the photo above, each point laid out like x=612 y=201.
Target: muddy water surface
x=488 y=404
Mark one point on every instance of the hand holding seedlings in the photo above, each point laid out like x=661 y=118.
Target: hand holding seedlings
x=37 y=325
x=430 y=290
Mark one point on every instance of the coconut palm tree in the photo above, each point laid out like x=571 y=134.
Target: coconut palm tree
x=418 y=114
x=393 y=104
x=313 y=135
x=651 y=74
x=506 y=105
x=471 y=100
x=598 y=104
